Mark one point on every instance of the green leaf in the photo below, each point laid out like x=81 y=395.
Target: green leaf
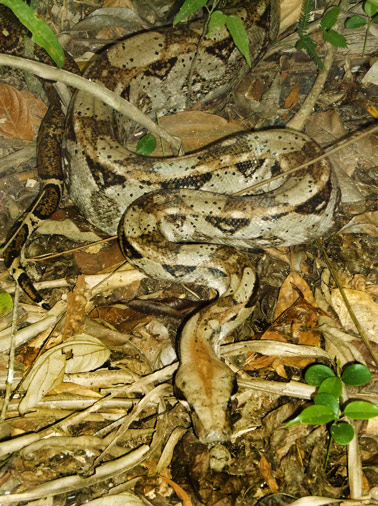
x=332 y=386
x=375 y=20
x=187 y=8
x=41 y=32
x=216 y=23
x=146 y=145
x=329 y=18
x=6 y=304
x=317 y=373
x=314 y=415
x=304 y=20
x=342 y=432
x=329 y=400
x=356 y=375
x=370 y=8
x=355 y=22
x=239 y=35
x=361 y=410
x=334 y=38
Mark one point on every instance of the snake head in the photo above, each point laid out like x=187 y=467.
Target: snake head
x=207 y=387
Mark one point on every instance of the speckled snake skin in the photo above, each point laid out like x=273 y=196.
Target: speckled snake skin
x=176 y=217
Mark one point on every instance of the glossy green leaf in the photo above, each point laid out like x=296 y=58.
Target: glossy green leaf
x=370 y=8
x=315 y=374
x=356 y=375
x=335 y=38
x=342 y=432
x=329 y=400
x=216 y=23
x=6 y=303
x=239 y=36
x=330 y=18
x=331 y=386
x=355 y=22
x=314 y=415
x=41 y=32
x=146 y=145
x=187 y=9
x=361 y=410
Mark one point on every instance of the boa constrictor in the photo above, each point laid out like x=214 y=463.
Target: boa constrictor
x=176 y=217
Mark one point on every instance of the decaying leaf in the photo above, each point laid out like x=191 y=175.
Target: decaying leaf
x=365 y=309
x=78 y=354
x=15 y=119
x=366 y=223
x=289 y=294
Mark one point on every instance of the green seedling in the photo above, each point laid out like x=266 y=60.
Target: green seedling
x=370 y=17
x=326 y=408
x=329 y=19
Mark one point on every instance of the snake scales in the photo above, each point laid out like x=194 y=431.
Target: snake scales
x=176 y=217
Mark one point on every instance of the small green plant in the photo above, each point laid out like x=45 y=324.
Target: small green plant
x=326 y=408
x=217 y=20
x=146 y=145
x=329 y=19
x=367 y=20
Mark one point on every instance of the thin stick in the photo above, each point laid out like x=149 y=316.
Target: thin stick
x=107 y=96
x=352 y=314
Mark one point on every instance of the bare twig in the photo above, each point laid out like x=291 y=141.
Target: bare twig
x=108 y=97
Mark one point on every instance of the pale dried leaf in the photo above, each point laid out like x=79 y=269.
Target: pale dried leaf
x=15 y=118
x=46 y=373
x=290 y=13
x=371 y=75
x=365 y=309
x=339 y=344
x=366 y=223
x=87 y=353
x=127 y=498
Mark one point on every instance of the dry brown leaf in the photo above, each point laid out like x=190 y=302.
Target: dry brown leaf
x=124 y=319
x=266 y=472
x=274 y=335
x=298 y=362
x=196 y=129
x=180 y=492
x=76 y=309
x=288 y=294
x=15 y=122
x=292 y=98
x=36 y=107
x=279 y=366
x=259 y=363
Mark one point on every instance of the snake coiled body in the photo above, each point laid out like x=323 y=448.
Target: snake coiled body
x=177 y=218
